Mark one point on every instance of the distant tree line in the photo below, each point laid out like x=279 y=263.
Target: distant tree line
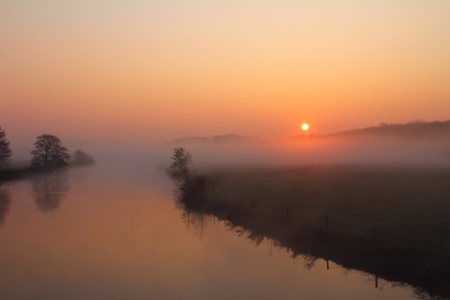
x=48 y=155
x=414 y=128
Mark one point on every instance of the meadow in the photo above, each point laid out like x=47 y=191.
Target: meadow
x=388 y=220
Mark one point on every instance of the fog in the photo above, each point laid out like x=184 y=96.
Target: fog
x=434 y=152
x=130 y=160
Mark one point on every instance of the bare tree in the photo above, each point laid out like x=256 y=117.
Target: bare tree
x=5 y=152
x=49 y=154
x=181 y=159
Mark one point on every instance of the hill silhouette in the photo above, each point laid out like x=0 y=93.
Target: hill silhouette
x=414 y=129
x=410 y=130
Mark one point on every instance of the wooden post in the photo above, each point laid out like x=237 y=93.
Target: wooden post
x=287 y=210
x=326 y=223
x=376 y=281
x=252 y=204
x=328 y=264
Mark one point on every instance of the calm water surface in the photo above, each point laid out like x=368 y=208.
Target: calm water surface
x=115 y=234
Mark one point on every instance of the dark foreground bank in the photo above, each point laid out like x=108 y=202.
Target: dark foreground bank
x=14 y=174
x=391 y=222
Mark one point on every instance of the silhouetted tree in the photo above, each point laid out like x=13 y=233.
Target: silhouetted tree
x=81 y=159
x=5 y=152
x=49 y=154
x=181 y=159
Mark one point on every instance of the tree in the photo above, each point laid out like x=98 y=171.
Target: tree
x=49 y=154
x=5 y=152
x=81 y=159
x=181 y=159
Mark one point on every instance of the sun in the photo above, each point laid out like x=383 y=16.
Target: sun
x=305 y=127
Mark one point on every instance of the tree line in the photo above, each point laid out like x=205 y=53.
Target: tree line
x=48 y=154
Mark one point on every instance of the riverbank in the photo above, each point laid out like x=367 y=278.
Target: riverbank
x=388 y=221
x=10 y=174
x=18 y=172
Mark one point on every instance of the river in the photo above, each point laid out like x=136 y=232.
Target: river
x=115 y=233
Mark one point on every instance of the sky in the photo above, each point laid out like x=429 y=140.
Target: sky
x=152 y=71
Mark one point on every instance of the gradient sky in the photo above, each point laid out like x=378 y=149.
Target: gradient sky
x=158 y=70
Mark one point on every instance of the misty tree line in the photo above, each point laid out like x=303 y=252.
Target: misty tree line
x=48 y=154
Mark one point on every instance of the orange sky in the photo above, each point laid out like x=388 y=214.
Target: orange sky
x=159 y=70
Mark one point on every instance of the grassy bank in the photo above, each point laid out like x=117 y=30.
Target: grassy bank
x=18 y=171
x=13 y=174
x=389 y=221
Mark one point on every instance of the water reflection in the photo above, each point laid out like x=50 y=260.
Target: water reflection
x=4 y=205
x=49 y=190
x=110 y=241
x=197 y=222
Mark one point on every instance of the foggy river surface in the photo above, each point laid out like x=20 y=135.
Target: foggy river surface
x=110 y=234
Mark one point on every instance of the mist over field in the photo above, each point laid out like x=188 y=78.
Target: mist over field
x=333 y=150
x=412 y=143
x=417 y=143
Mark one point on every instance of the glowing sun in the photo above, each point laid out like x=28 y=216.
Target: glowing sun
x=305 y=127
